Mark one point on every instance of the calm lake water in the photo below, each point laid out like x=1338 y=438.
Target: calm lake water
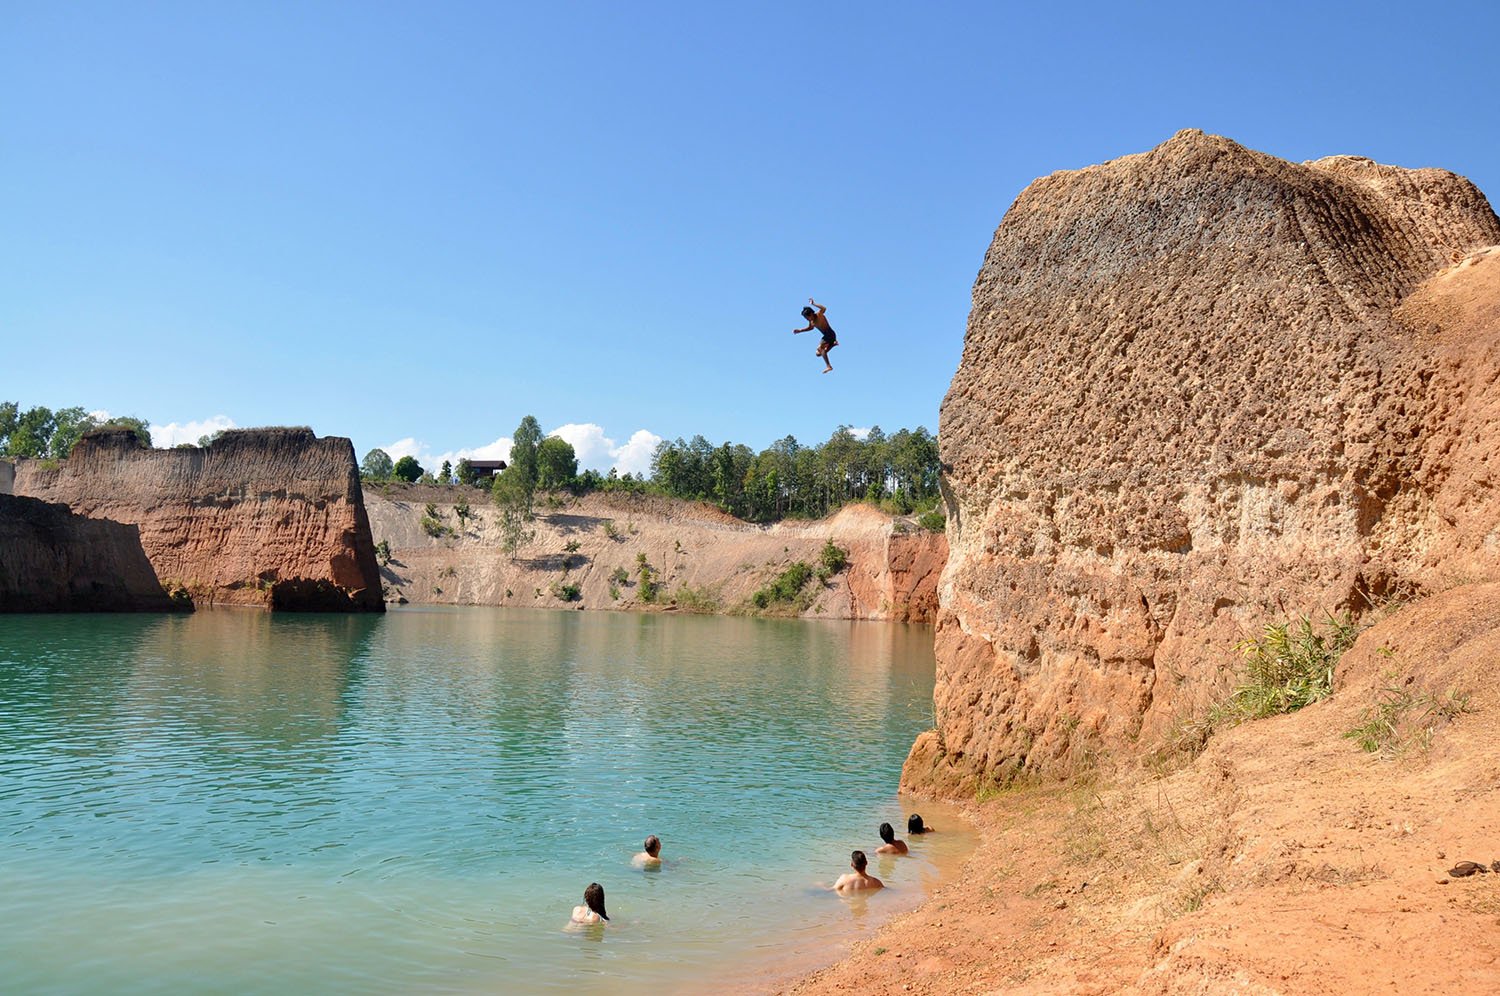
x=243 y=803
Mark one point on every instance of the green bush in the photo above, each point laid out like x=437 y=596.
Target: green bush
x=433 y=527
x=934 y=521
x=567 y=592
x=786 y=588
x=648 y=586
x=833 y=558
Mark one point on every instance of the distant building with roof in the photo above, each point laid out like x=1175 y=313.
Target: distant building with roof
x=486 y=469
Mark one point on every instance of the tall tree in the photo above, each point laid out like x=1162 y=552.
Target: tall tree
x=512 y=495
x=9 y=414
x=445 y=476
x=70 y=425
x=32 y=433
x=407 y=469
x=523 y=447
x=464 y=471
x=377 y=466
x=556 y=463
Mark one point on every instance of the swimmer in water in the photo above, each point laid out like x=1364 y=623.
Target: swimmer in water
x=651 y=856
x=914 y=826
x=891 y=845
x=592 y=910
x=859 y=880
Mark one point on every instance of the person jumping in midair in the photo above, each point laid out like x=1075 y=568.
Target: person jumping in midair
x=816 y=320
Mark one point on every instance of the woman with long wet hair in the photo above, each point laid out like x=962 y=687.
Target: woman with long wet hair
x=592 y=910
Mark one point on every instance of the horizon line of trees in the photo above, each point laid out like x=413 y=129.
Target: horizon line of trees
x=899 y=472
x=42 y=433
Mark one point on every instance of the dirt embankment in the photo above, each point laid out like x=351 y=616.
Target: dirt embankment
x=1285 y=859
x=268 y=517
x=701 y=558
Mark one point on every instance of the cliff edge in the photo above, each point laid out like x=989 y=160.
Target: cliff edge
x=271 y=517
x=1201 y=388
x=54 y=561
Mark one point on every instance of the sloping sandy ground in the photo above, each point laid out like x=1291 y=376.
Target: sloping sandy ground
x=1283 y=859
x=703 y=559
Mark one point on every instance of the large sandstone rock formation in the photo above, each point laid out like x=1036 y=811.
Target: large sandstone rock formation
x=1201 y=388
x=54 y=561
x=269 y=517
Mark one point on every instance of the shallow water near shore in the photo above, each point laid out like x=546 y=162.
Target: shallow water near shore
x=239 y=802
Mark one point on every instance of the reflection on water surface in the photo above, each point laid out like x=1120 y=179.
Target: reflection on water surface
x=255 y=803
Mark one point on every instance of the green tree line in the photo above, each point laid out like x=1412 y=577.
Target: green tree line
x=899 y=472
x=42 y=432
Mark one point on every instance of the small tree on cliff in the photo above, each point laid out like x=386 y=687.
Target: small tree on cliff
x=514 y=500
x=376 y=466
x=523 y=461
x=464 y=472
x=407 y=469
x=445 y=476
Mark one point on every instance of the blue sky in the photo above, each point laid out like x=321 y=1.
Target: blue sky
x=412 y=224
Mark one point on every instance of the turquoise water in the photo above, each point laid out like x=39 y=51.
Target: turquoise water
x=244 y=803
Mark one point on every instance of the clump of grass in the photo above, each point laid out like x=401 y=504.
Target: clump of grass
x=1290 y=665
x=698 y=600
x=1402 y=718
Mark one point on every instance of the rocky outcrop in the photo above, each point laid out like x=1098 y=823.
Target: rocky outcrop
x=54 y=561
x=271 y=517
x=702 y=559
x=1201 y=388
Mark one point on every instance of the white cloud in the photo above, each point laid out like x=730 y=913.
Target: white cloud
x=635 y=456
x=860 y=434
x=169 y=435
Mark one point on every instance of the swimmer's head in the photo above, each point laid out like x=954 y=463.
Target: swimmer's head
x=808 y=312
x=887 y=832
x=593 y=898
x=914 y=825
x=857 y=861
x=653 y=845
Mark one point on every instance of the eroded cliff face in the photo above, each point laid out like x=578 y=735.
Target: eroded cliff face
x=269 y=517
x=54 y=561
x=1201 y=388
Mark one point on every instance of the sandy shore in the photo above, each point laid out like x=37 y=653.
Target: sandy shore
x=1284 y=859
